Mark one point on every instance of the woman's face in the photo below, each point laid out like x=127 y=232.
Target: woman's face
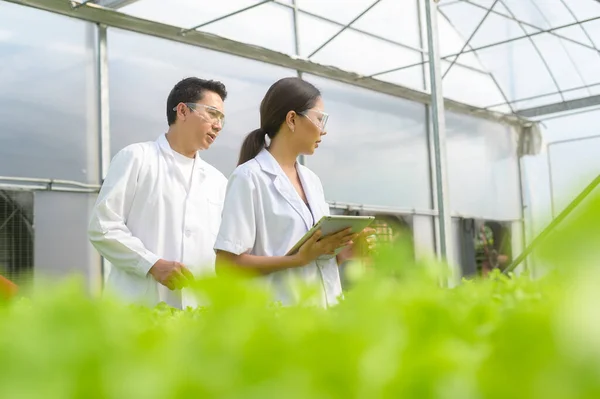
x=311 y=127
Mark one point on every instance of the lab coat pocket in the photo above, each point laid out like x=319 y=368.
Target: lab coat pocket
x=214 y=208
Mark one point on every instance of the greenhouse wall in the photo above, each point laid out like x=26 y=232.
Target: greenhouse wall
x=376 y=156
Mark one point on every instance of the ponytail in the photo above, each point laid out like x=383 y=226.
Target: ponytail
x=253 y=144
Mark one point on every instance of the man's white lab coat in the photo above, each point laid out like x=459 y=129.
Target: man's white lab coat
x=147 y=210
x=264 y=215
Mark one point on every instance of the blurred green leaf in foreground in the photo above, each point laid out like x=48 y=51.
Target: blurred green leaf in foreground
x=397 y=334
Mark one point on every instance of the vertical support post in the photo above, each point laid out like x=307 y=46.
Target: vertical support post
x=104 y=118
x=439 y=134
x=550 y=182
x=301 y=159
x=103 y=102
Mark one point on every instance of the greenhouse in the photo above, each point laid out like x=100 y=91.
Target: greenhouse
x=467 y=128
x=82 y=80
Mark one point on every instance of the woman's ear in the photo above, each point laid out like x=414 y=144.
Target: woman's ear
x=290 y=120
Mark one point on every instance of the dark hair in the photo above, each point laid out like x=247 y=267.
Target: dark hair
x=285 y=95
x=190 y=90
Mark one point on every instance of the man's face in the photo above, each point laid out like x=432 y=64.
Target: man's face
x=204 y=120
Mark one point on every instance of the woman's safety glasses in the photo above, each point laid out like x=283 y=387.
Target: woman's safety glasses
x=319 y=118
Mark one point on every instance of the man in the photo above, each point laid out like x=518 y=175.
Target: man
x=159 y=209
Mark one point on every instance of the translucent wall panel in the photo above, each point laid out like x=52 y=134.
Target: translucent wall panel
x=394 y=20
x=481 y=90
x=483 y=171
x=61 y=247
x=255 y=26
x=375 y=151
x=48 y=96
x=519 y=69
x=583 y=9
x=144 y=69
x=574 y=164
x=424 y=237
x=354 y=51
x=561 y=64
x=451 y=43
x=342 y=11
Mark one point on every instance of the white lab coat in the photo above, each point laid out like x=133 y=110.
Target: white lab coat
x=147 y=210
x=264 y=215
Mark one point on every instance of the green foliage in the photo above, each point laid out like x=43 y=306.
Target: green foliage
x=397 y=334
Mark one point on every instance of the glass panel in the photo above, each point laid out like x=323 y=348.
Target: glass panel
x=342 y=11
x=464 y=17
x=576 y=33
x=256 y=26
x=584 y=9
x=184 y=13
x=518 y=69
x=141 y=76
x=526 y=11
x=394 y=20
x=587 y=60
x=574 y=166
x=451 y=43
x=556 y=12
x=481 y=90
x=376 y=151
x=593 y=29
x=483 y=171
x=313 y=32
x=496 y=29
x=565 y=71
x=595 y=90
x=48 y=96
x=409 y=77
x=575 y=94
x=423 y=236
x=61 y=247
x=539 y=101
x=351 y=50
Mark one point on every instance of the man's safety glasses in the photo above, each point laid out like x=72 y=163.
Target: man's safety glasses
x=210 y=114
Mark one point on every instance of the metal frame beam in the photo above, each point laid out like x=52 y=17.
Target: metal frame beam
x=439 y=135
x=538 y=51
x=369 y=34
x=111 y=18
x=563 y=106
x=475 y=49
x=520 y=100
x=343 y=29
x=114 y=3
x=231 y=14
x=470 y=38
x=522 y=22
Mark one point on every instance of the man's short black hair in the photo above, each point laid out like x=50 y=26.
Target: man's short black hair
x=191 y=90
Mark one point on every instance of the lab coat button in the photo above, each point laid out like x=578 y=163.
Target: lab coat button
x=188 y=232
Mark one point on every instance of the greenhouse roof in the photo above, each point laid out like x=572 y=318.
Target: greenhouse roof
x=522 y=57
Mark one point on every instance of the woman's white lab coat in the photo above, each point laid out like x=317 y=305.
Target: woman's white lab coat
x=264 y=215
x=147 y=210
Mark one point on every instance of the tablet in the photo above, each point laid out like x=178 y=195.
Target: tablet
x=333 y=224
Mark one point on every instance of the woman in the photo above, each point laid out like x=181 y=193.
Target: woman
x=272 y=201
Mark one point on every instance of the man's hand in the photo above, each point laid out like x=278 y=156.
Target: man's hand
x=172 y=275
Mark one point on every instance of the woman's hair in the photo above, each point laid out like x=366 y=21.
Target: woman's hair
x=285 y=95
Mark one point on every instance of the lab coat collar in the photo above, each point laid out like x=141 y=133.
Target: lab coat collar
x=168 y=151
x=199 y=173
x=285 y=187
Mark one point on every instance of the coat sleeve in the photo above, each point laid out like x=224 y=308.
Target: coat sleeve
x=237 y=232
x=107 y=229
